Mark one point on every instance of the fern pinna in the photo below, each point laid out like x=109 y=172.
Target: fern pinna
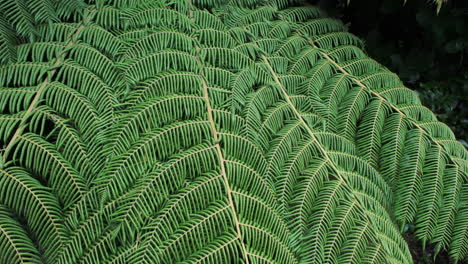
x=206 y=131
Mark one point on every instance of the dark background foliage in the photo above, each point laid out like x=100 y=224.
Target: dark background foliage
x=429 y=51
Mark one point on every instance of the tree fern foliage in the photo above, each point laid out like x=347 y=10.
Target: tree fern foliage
x=209 y=131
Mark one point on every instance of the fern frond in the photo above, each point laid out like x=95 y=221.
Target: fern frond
x=19 y=15
x=160 y=62
x=41 y=157
x=216 y=132
x=17 y=247
x=8 y=41
x=39 y=207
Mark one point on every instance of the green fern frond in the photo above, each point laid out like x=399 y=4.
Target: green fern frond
x=17 y=247
x=39 y=207
x=213 y=132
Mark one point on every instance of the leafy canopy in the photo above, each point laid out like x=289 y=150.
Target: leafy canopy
x=213 y=132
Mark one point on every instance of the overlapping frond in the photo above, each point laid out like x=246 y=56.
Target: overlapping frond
x=213 y=132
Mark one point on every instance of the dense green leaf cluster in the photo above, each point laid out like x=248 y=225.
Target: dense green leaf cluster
x=427 y=50
x=209 y=131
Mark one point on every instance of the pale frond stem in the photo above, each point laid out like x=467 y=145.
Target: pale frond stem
x=262 y=203
x=393 y=89
x=266 y=232
x=31 y=107
x=429 y=123
x=102 y=240
x=196 y=225
x=378 y=95
x=312 y=135
x=61 y=123
x=153 y=232
x=376 y=254
x=10 y=240
x=48 y=152
x=362 y=232
x=348 y=212
x=354 y=62
x=95 y=214
x=50 y=74
x=269 y=188
x=35 y=196
x=260 y=257
x=125 y=252
x=268 y=118
x=299 y=116
x=218 y=249
x=222 y=166
x=308 y=186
